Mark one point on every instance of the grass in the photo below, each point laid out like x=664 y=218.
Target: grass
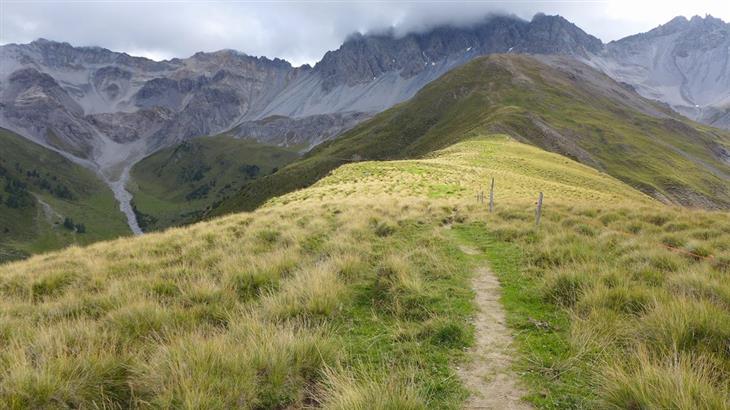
x=353 y=293
x=244 y=312
x=563 y=108
x=174 y=186
x=29 y=229
x=609 y=319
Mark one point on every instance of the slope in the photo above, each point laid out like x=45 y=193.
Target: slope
x=176 y=185
x=554 y=103
x=307 y=273
x=353 y=293
x=40 y=189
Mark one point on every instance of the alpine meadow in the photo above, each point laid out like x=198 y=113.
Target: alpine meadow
x=499 y=214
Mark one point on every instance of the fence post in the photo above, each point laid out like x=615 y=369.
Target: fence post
x=538 y=211
x=491 y=197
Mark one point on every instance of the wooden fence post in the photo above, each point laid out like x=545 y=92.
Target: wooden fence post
x=491 y=197
x=538 y=211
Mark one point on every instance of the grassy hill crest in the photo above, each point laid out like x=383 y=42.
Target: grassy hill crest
x=553 y=103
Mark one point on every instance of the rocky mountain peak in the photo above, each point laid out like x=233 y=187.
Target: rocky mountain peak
x=363 y=58
x=708 y=21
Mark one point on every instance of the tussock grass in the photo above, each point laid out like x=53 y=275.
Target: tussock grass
x=353 y=293
x=644 y=323
x=247 y=311
x=344 y=391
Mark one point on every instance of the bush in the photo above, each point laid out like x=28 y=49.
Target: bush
x=68 y=223
x=51 y=285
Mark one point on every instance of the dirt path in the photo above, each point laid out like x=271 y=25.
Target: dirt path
x=488 y=375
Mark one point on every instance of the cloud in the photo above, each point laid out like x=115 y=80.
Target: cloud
x=300 y=32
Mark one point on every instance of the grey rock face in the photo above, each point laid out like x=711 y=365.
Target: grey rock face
x=684 y=63
x=305 y=132
x=364 y=58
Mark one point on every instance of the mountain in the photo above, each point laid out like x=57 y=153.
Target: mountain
x=555 y=103
x=683 y=63
x=108 y=110
x=48 y=202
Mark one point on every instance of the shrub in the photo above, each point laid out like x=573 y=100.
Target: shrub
x=400 y=287
x=51 y=285
x=657 y=219
x=135 y=322
x=447 y=333
x=272 y=371
x=165 y=289
x=268 y=236
x=382 y=228
x=700 y=286
x=721 y=263
x=673 y=241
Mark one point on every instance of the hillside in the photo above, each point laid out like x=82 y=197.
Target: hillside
x=553 y=103
x=39 y=189
x=176 y=185
x=355 y=293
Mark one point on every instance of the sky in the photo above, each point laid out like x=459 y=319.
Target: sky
x=301 y=32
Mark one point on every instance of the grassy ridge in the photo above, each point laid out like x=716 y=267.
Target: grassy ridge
x=353 y=294
x=30 y=173
x=560 y=107
x=176 y=185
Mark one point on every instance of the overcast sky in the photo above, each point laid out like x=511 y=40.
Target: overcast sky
x=300 y=32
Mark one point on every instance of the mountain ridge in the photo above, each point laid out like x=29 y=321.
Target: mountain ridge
x=109 y=110
x=555 y=103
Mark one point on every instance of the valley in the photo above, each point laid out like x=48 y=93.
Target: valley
x=508 y=213
x=40 y=190
x=108 y=110
x=177 y=185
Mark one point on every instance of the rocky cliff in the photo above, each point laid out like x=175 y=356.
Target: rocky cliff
x=684 y=63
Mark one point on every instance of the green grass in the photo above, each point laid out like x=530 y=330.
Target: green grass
x=610 y=319
x=27 y=229
x=555 y=381
x=559 y=110
x=177 y=185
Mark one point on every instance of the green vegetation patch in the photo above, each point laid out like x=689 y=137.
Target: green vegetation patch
x=177 y=185
x=48 y=202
